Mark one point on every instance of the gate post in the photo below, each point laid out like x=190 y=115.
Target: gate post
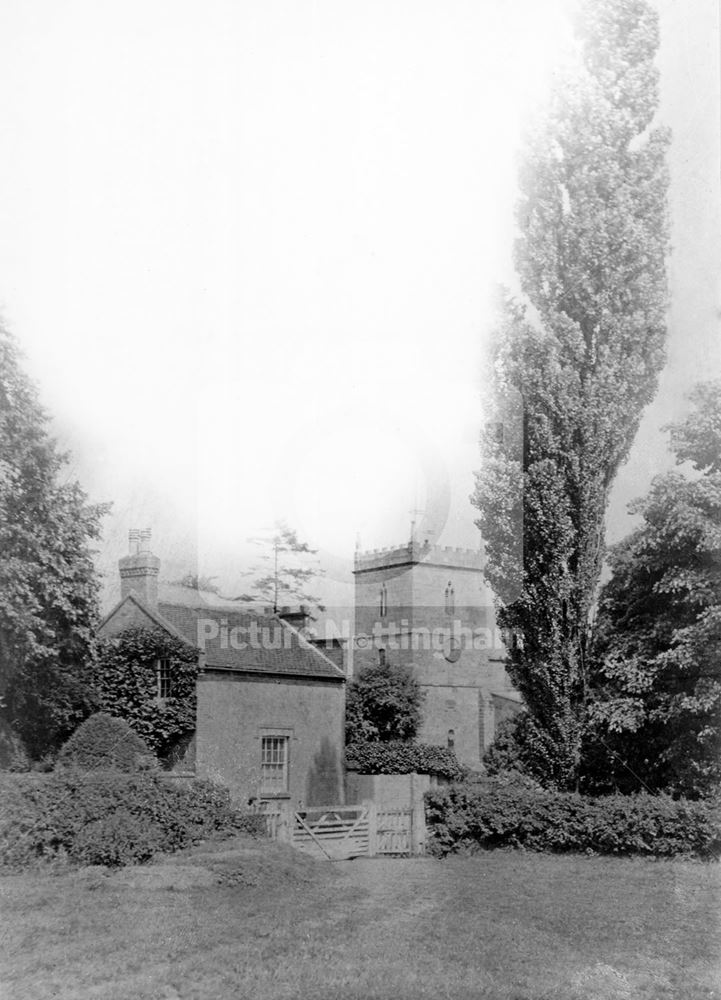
x=418 y=818
x=372 y=827
x=285 y=822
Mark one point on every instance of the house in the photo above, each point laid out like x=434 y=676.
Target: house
x=428 y=607
x=270 y=705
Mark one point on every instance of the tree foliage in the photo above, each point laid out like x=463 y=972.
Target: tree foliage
x=575 y=360
x=126 y=683
x=383 y=703
x=48 y=583
x=284 y=573
x=657 y=682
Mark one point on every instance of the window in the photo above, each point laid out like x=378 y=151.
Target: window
x=382 y=657
x=384 y=601
x=274 y=765
x=451 y=739
x=450 y=599
x=163 y=678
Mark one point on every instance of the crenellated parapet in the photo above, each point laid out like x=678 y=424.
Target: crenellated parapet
x=416 y=553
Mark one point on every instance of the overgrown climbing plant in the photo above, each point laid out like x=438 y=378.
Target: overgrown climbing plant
x=125 y=677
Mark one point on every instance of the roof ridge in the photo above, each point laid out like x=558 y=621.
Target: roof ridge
x=213 y=607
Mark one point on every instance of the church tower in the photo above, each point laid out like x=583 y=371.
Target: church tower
x=429 y=607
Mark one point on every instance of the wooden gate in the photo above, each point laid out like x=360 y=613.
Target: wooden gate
x=333 y=832
x=393 y=831
x=340 y=832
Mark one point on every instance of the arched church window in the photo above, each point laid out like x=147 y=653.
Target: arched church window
x=451 y=739
x=384 y=601
x=450 y=599
x=382 y=657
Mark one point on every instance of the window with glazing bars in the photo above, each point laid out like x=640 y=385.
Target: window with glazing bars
x=163 y=678
x=274 y=765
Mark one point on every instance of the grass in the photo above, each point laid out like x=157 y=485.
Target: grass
x=250 y=919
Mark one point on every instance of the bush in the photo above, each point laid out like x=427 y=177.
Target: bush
x=107 y=744
x=397 y=757
x=509 y=752
x=13 y=753
x=383 y=703
x=496 y=813
x=108 y=818
x=252 y=823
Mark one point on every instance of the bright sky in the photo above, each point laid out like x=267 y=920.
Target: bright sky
x=247 y=248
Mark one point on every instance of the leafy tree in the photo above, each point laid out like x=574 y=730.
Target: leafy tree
x=283 y=574
x=657 y=682
x=574 y=362
x=48 y=582
x=125 y=677
x=383 y=703
x=509 y=750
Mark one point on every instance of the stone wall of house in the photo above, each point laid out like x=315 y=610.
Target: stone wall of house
x=236 y=710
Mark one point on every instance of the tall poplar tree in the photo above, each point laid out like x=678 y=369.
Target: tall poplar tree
x=575 y=359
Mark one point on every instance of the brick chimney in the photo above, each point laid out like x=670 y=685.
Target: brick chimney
x=299 y=617
x=139 y=570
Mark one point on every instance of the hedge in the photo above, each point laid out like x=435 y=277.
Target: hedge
x=397 y=757
x=108 y=818
x=498 y=813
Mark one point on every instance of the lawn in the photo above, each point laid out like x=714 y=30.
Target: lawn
x=257 y=920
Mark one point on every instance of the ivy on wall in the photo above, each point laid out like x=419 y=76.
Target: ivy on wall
x=126 y=680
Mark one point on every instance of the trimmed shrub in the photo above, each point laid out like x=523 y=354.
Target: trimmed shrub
x=108 y=818
x=398 y=757
x=495 y=813
x=107 y=744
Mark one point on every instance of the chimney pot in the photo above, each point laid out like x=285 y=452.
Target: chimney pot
x=139 y=570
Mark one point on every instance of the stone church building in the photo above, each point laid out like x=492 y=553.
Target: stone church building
x=429 y=608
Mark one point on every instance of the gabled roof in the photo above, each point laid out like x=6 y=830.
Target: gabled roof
x=250 y=642
x=133 y=599
x=230 y=639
